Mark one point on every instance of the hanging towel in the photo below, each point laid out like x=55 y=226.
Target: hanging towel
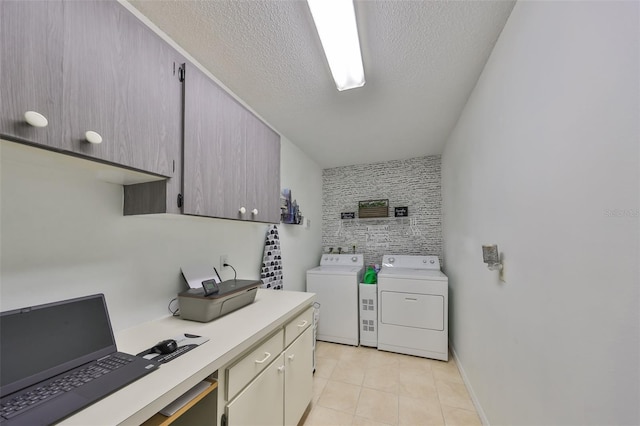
x=271 y=274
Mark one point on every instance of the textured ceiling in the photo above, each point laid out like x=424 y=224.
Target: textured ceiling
x=421 y=60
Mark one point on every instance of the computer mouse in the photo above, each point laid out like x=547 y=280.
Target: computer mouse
x=165 y=347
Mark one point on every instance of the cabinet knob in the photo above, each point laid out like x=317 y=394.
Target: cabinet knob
x=35 y=119
x=242 y=210
x=93 y=137
x=291 y=357
x=254 y=212
x=281 y=369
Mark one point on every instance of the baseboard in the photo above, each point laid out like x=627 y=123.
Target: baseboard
x=472 y=394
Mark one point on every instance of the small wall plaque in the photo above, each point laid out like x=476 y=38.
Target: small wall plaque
x=348 y=215
x=401 y=211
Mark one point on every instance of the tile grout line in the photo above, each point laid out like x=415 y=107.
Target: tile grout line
x=355 y=413
x=433 y=377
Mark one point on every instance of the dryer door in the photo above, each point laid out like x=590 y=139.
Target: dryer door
x=412 y=310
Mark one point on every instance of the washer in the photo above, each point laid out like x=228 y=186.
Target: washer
x=413 y=306
x=335 y=283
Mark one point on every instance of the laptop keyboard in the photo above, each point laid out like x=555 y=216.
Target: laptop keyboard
x=17 y=404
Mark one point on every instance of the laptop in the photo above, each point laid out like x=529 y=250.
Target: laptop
x=58 y=358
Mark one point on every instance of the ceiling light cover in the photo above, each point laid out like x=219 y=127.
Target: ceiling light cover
x=336 y=24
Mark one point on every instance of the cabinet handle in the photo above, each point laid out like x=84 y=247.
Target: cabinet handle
x=242 y=210
x=281 y=369
x=35 y=119
x=291 y=357
x=267 y=355
x=93 y=137
x=255 y=212
x=304 y=323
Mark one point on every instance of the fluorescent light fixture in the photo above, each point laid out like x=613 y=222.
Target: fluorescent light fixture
x=336 y=24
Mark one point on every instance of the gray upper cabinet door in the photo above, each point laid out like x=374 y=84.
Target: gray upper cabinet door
x=120 y=81
x=31 y=69
x=263 y=171
x=214 y=149
x=231 y=158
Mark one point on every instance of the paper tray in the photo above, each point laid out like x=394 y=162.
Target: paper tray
x=233 y=294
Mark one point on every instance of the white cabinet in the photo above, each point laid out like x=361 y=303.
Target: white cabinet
x=252 y=364
x=298 y=377
x=260 y=403
x=272 y=383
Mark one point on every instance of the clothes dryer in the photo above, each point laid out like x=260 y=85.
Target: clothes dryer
x=335 y=283
x=413 y=306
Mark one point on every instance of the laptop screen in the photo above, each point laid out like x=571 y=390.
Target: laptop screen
x=42 y=341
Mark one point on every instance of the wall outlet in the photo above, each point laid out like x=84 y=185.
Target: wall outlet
x=223 y=259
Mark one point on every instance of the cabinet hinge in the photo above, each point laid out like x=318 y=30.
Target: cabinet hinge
x=181 y=73
x=180 y=200
x=223 y=420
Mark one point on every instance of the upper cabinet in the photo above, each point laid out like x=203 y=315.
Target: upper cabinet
x=31 y=39
x=214 y=149
x=262 y=171
x=121 y=82
x=232 y=159
x=88 y=78
x=105 y=83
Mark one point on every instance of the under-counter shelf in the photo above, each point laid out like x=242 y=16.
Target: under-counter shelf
x=161 y=420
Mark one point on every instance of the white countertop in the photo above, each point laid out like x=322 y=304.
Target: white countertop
x=229 y=336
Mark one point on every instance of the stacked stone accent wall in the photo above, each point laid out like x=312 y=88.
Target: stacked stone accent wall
x=412 y=183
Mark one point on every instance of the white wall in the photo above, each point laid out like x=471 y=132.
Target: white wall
x=544 y=161
x=301 y=245
x=63 y=235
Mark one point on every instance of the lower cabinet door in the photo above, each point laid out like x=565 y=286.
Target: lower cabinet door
x=262 y=401
x=298 y=386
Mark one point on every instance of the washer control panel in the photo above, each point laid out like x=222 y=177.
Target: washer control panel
x=411 y=262
x=342 y=259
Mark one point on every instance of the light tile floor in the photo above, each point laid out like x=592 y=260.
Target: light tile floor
x=364 y=386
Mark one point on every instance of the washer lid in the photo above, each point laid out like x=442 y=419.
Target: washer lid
x=408 y=273
x=335 y=270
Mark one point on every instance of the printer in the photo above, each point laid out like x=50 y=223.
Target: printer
x=209 y=298
x=196 y=305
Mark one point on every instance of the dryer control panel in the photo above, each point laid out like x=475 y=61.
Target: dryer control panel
x=411 y=262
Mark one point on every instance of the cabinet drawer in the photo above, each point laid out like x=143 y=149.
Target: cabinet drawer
x=249 y=366
x=298 y=325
